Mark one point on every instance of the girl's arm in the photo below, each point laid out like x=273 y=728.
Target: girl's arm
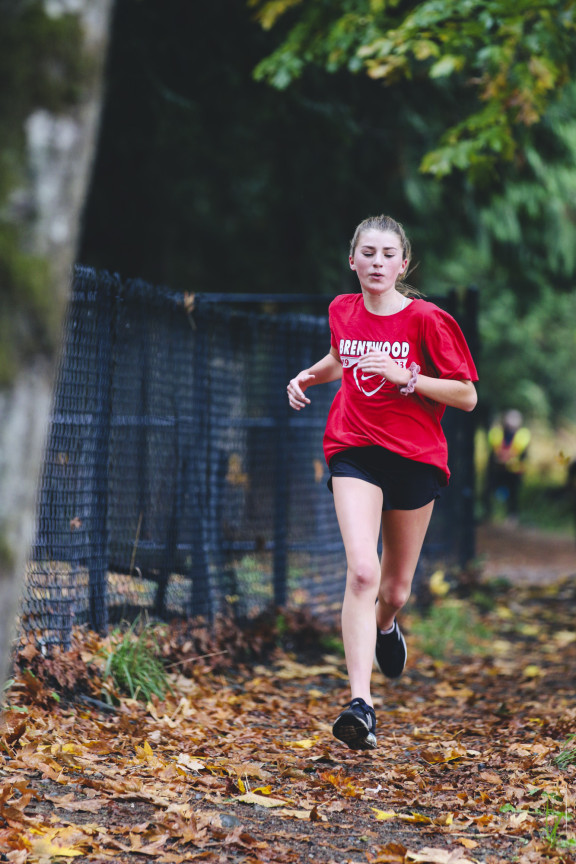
x=329 y=368
x=456 y=394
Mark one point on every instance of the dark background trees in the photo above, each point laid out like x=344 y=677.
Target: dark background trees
x=210 y=180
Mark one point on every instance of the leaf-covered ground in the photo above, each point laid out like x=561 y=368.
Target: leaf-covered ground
x=474 y=762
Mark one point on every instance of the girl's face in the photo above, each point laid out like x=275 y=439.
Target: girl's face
x=378 y=260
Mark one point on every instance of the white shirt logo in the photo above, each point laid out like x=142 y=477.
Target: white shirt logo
x=360 y=377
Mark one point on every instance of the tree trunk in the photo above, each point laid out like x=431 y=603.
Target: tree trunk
x=46 y=213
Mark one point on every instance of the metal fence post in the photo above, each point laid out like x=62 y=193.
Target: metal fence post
x=201 y=602
x=100 y=440
x=281 y=490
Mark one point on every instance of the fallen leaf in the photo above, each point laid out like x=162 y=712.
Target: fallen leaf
x=467 y=843
x=445 y=690
x=449 y=754
x=439 y=856
x=444 y=819
x=414 y=817
x=533 y=671
x=516 y=819
x=491 y=777
x=18 y=857
x=248 y=769
x=303 y=744
x=261 y=800
x=391 y=853
x=69 y=802
x=383 y=815
x=294 y=671
x=438 y=584
x=301 y=814
x=564 y=637
x=69 y=842
x=191 y=764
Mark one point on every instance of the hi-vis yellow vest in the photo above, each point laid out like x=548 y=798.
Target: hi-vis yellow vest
x=510 y=454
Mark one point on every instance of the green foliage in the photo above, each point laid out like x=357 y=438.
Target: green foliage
x=567 y=755
x=533 y=213
x=503 y=69
x=513 y=56
x=530 y=354
x=133 y=665
x=554 y=817
x=450 y=628
x=522 y=253
x=331 y=643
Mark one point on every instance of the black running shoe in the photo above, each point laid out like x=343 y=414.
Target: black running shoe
x=391 y=652
x=356 y=726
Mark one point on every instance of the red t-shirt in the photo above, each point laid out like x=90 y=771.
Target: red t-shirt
x=367 y=408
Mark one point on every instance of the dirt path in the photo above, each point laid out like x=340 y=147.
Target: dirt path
x=238 y=764
x=525 y=555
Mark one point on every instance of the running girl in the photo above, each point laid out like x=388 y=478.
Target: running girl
x=401 y=361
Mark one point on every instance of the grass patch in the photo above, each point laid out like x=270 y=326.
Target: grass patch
x=567 y=755
x=331 y=643
x=452 y=627
x=555 y=818
x=133 y=664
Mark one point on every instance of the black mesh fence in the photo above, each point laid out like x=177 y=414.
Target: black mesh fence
x=176 y=478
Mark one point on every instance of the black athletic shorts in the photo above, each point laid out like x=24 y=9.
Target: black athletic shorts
x=405 y=484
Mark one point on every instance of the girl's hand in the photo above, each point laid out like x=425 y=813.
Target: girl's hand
x=296 y=389
x=379 y=363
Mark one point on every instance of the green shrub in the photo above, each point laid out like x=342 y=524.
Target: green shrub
x=133 y=664
x=451 y=627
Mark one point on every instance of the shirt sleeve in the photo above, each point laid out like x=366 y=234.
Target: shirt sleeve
x=331 y=315
x=447 y=349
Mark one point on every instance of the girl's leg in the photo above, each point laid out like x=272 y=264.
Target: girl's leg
x=359 y=511
x=403 y=533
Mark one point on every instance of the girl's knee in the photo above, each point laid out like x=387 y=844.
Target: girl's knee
x=395 y=595
x=362 y=577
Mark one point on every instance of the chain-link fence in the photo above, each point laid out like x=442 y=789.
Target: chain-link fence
x=176 y=478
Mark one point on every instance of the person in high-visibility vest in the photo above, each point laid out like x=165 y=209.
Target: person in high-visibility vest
x=508 y=443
